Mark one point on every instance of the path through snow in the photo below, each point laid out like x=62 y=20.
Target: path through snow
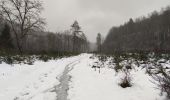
x=72 y=79
x=33 y=82
x=63 y=87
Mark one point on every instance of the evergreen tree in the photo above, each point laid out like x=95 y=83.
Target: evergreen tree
x=99 y=42
x=76 y=30
x=151 y=33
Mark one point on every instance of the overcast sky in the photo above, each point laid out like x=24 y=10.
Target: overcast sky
x=96 y=16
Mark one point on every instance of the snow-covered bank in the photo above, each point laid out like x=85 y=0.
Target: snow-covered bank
x=32 y=82
x=87 y=84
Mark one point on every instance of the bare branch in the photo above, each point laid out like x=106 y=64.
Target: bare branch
x=23 y=16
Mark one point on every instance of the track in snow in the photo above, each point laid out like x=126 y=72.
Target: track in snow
x=63 y=87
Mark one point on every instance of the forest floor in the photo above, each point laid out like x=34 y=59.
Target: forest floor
x=73 y=78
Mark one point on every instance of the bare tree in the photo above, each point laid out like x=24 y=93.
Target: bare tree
x=23 y=17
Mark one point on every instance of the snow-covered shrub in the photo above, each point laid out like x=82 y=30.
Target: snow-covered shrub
x=102 y=59
x=126 y=81
x=44 y=58
x=30 y=60
x=117 y=61
x=123 y=63
x=92 y=57
x=143 y=56
x=1 y=60
x=162 y=80
x=8 y=60
x=163 y=84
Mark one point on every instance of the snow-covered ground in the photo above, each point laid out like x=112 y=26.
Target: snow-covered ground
x=32 y=82
x=72 y=77
x=87 y=84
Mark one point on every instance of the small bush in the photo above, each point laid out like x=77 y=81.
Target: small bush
x=126 y=81
x=1 y=60
x=91 y=57
x=44 y=58
x=102 y=59
x=30 y=61
x=117 y=61
x=8 y=60
x=118 y=67
x=162 y=80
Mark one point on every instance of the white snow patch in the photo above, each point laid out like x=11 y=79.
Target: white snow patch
x=46 y=96
x=87 y=84
x=32 y=82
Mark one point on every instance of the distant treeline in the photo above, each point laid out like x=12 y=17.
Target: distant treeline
x=22 y=30
x=55 y=43
x=41 y=42
x=150 y=33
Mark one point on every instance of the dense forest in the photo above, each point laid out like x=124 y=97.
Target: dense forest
x=151 y=33
x=45 y=42
x=22 y=30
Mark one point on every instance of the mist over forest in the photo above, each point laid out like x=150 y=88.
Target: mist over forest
x=150 y=33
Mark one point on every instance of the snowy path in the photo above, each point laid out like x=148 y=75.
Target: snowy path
x=71 y=79
x=33 y=82
x=63 y=87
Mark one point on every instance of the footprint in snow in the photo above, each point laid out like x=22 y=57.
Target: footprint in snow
x=45 y=75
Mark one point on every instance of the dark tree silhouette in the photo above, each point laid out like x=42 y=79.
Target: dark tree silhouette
x=99 y=43
x=23 y=17
x=76 y=30
x=150 y=33
x=5 y=38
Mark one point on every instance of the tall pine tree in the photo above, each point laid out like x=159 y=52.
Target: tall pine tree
x=76 y=30
x=99 y=42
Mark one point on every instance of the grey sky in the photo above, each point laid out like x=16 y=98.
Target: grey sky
x=96 y=15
